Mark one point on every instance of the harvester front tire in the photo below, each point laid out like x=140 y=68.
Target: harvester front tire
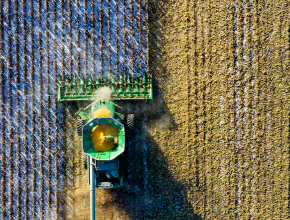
x=122 y=117
x=80 y=125
x=85 y=161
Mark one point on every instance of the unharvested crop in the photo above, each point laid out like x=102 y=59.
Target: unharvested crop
x=214 y=144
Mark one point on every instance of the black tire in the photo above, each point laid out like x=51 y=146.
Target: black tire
x=80 y=125
x=122 y=117
x=85 y=161
x=130 y=124
x=129 y=151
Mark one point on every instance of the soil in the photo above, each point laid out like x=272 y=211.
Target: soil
x=213 y=143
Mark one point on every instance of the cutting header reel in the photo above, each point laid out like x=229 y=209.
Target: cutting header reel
x=122 y=87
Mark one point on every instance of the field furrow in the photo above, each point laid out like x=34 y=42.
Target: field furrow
x=213 y=143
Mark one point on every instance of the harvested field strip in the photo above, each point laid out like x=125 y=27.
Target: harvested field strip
x=236 y=52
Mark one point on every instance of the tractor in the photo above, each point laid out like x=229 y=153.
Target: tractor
x=102 y=125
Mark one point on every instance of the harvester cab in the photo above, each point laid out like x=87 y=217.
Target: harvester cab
x=101 y=126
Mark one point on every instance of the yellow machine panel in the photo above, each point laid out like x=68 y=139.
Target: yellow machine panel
x=100 y=132
x=102 y=112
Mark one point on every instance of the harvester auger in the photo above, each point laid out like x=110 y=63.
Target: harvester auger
x=102 y=127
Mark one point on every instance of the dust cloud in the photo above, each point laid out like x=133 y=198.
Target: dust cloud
x=103 y=93
x=163 y=123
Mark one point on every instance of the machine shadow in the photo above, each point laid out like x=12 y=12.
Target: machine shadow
x=150 y=190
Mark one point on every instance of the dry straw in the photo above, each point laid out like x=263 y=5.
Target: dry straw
x=221 y=78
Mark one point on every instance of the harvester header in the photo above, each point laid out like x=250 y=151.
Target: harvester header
x=122 y=87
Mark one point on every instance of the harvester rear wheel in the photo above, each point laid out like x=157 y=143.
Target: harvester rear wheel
x=130 y=124
x=80 y=127
x=85 y=161
x=129 y=143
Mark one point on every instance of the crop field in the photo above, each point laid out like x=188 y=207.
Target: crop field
x=213 y=144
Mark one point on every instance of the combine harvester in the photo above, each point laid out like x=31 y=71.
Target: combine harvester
x=102 y=127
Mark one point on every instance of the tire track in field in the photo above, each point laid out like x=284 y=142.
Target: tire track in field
x=22 y=113
x=18 y=125
x=2 y=113
x=45 y=129
x=240 y=107
x=53 y=113
x=9 y=114
x=26 y=107
x=207 y=36
x=33 y=114
x=48 y=122
x=257 y=109
x=192 y=105
x=247 y=120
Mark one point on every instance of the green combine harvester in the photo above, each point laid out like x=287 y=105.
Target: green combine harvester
x=101 y=126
